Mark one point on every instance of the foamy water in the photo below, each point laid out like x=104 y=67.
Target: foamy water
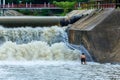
x=45 y=54
x=58 y=70
x=35 y=44
x=25 y=35
x=37 y=50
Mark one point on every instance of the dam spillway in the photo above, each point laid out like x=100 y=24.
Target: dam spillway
x=41 y=43
x=27 y=35
x=24 y=49
x=30 y=20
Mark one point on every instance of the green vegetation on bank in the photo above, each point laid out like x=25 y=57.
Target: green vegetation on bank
x=65 y=5
x=43 y=12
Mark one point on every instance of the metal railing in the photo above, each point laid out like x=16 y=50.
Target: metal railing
x=83 y=5
x=27 y=6
x=103 y=5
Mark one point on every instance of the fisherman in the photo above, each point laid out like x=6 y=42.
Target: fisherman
x=83 y=58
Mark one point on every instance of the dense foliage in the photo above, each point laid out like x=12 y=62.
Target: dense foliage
x=66 y=5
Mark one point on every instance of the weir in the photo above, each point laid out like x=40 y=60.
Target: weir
x=40 y=43
x=47 y=43
x=35 y=44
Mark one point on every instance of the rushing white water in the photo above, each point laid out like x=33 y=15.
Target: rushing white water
x=58 y=70
x=45 y=54
x=35 y=44
x=37 y=50
x=26 y=35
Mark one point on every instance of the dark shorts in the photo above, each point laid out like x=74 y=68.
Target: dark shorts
x=82 y=59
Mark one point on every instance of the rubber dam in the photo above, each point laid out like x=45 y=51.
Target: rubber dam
x=16 y=21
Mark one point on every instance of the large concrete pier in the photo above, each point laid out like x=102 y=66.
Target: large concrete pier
x=100 y=34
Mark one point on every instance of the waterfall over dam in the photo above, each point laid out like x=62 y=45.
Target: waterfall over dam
x=40 y=43
x=35 y=44
x=53 y=52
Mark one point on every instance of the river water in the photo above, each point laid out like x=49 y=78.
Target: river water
x=58 y=70
x=43 y=54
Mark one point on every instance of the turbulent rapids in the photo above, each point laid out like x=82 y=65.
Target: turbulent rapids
x=35 y=44
x=45 y=54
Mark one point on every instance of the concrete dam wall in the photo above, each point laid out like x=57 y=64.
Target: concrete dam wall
x=100 y=34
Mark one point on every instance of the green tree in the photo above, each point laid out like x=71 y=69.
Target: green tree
x=66 y=5
x=82 y=0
